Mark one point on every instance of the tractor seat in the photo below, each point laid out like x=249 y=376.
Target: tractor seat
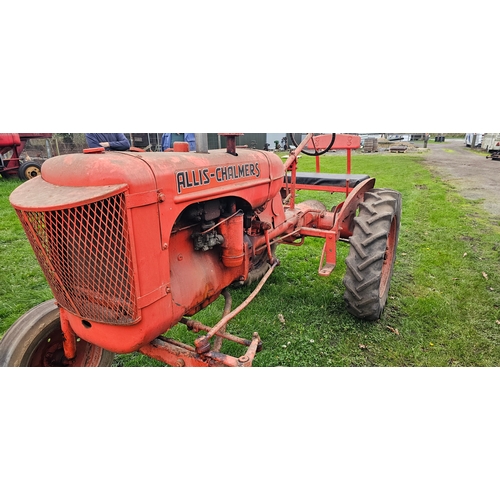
x=333 y=180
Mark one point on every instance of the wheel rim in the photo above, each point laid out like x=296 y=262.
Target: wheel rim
x=36 y=339
x=32 y=171
x=50 y=352
x=388 y=258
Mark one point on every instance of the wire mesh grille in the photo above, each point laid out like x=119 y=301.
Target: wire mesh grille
x=85 y=255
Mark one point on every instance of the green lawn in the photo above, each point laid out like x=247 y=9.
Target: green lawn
x=443 y=307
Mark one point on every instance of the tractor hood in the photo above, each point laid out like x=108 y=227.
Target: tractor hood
x=181 y=177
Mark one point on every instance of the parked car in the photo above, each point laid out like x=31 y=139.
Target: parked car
x=468 y=139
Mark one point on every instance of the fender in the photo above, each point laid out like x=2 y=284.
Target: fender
x=345 y=218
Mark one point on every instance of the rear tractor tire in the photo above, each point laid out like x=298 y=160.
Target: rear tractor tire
x=35 y=339
x=372 y=253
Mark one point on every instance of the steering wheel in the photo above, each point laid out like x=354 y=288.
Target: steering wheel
x=317 y=151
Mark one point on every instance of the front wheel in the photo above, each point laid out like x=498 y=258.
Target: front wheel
x=36 y=339
x=370 y=263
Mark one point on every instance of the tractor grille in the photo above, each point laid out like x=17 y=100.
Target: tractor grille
x=85 y=255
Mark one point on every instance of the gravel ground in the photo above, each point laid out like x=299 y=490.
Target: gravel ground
x=473 y=175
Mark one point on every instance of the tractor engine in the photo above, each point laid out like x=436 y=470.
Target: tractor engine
x=131 y=242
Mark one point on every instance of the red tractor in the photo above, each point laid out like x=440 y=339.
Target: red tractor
x=133 y=243
x=12 y=145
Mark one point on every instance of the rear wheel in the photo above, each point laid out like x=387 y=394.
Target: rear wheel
x=372 y=253
x=36 y=339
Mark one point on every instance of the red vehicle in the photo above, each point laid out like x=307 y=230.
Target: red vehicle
x=15 y=144
x=133 y=243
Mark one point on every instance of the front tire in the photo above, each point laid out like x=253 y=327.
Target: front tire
x=35 y=339
x=370 y=263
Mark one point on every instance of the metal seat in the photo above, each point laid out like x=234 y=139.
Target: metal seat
x=333 y=180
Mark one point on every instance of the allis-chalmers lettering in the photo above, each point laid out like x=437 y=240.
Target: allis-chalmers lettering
x=193 y=178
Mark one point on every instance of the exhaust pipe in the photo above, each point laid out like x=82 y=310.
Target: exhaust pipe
x=201 y=143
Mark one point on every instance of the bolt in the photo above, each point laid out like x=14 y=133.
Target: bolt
x=181 y=362
x=180 y=257
x=165 y=246
x=243 y=359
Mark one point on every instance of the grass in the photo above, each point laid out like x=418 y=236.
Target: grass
x=444 y=301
